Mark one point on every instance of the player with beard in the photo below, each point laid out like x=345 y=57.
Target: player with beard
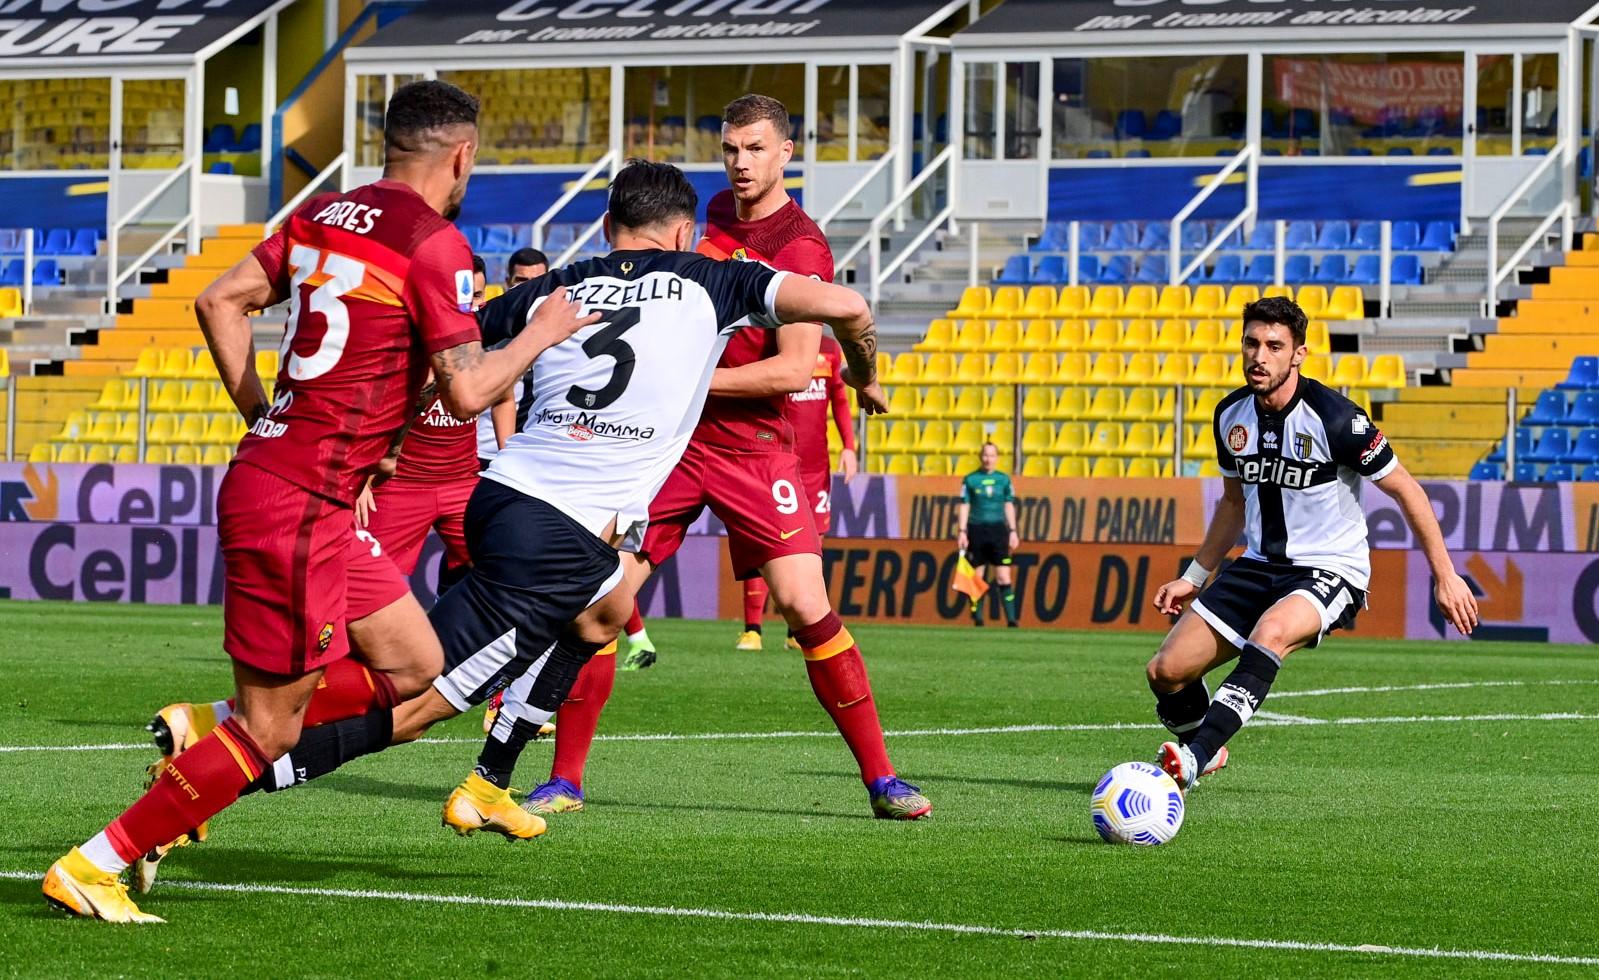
x=1292 y=454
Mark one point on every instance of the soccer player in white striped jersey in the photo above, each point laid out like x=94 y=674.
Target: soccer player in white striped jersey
x=1292 y=454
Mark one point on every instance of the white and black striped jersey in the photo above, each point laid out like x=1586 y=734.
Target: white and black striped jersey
x=1301 y=470
x=612 y=407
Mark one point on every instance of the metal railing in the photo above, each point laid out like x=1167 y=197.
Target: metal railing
x=1498 y=273
x=340 y=163
x=856 y=189
x=114 y=277
x=607 y=161
x=1177 y=272
x=11 y=417
x=872 y=242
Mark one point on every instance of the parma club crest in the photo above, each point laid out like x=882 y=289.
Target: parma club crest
x=1303 y=444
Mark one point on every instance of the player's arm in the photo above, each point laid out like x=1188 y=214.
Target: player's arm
x=503 y=417
x=838 y=395
x=1010 y=523
x=471 y=379
x=800 y=298
x=786 y=371
x=1452 y=593
x=963 y=513
x=1226 y=524
x=224 y=309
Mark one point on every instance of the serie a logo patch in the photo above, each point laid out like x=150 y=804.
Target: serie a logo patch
x=463 y=290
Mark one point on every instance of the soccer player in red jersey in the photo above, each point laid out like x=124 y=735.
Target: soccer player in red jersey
x=380 y=285
x=807 y=411
x=741 y=463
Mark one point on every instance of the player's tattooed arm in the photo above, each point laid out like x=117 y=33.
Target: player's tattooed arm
x=472 y=379
x=223 y=310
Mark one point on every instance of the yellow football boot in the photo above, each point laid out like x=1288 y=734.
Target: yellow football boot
x=748 y=640
x=175 y=728
x=792 y=643
x=478 y=804
x=76 y=886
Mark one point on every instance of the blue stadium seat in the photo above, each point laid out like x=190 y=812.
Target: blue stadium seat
x=1123 y=235
x=249 y=139
x=1559 y=473
x=1549 y=409
x=1439 y=237
x=1234 y=240
x=1153 y=270
x=1087 y=268
x=219 y=139
x=1367 y=236
x=1367 y=271
x=1405 y=270
x=1139 y=154
x=46 y=273
x=1296 y=269
x=1051 y=270
x=1401 y=151
x=1360 y=151
x=1167 y=125
x=1301 y=234
x=1018 y=271
x=1334 y=235
x=57 y=241
x=1486 y=471
x=1526 y=473
x=1590 y=473
x=1196 y=235
x=223 y=167
x=1523 y=446
x=1440 y=151
x=1261 y=270
x=1585 y=409
x=1117 y=269
x=558 y=238
x=1052 y=239
x=1157 y=234
x=1333 y=270
x=1090 y=235
x=11 y=273
x=10 y=241
x=1554 y=444
x=1130 y=124
x=1228 y=269
x=1097 y=155
x=1584 y=374
x=1264 y=235
x=85 y=241
x=1585 y=450
x=497 y=238
x=1406 y=236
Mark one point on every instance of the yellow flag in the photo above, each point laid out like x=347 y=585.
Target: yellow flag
x=966 y=581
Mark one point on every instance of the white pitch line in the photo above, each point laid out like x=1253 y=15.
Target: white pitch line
x=800 y=918
x=1265 y=720
x=1447 y=686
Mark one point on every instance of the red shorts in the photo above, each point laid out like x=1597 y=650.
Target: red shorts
x=297 y=573
x=819 y=494
x=406 y=509
x=759 y=496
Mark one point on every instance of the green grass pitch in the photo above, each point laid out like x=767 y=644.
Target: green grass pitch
x=1459 y=818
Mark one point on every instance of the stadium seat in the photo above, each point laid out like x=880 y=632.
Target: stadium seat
x=1071 y=439
x=1173 y=336
x=969 y=437
x=162 y=429
x=1345 y=303
x=1174 y=301
x=1153 y=270
x=1140 y=368
x=1174 y=369
x=1202 y=403
x=1071 y=403
x=10 y=302
x=118 y=395
x=974 y=302
x=1156 y=235
x=1211 y=370
x=972 y=369
x=1313 y=300
x=1317 y=338
x=971 y=335
x=1367 y=236
x=938 y=367
x=1039 y=368
x=1584 y=374
x=1072 y=301
x=1137 y=335
x=1334 y=235
x=1405 y=271
x=1552 y=446
x=904 y=401
x=1524 y=444
x=1350 y=371
x=42 y=452
x=1007 y=302
x=970 y=403
x=1116 y=269
x=1406 y=235
x=1140 y=439
x=1590 y=473
x=1204 y=336
x=1004 y=335
x=1122 y=235
x=1141 y=405
x=1584 y=409
x=902 y=437
x=1108 y=403
x=1039 y=335
x=1074 y=368
x=1143 y=469
x=1040 y=302
x=1238 y=297
x=184 y=454
x=1439 y=237
x=1035 y=466
x=1558 y=473
x=148 y=363
x=216 y=455
x=1525 y=473
x=1233 y=340
x=1367 y=271
x=1051 y=271
x=940 y=335
x=1207 y=301
x=938 y=402
x=1017 y=271
x=1318 y=367
x=1107 y=302
x=1105 y=335
x=1228 y=269
x=1039 y=403
x=1006 y=368
x=1037 y=437
x=1072 y=467
x=1332 y=269
x=1071 y=335
x=72 y=452
x=1301 y=235
x=1108 y=467
x=85 y=241
x=1485 y=471
x=1107 y=369
x=1584 y=450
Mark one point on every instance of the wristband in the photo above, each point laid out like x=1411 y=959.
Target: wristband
x=1196 y=574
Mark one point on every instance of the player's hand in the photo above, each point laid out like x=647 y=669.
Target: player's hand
x=1169 y=598
x=873 y=400
x=1015 y=541
x=961 y=540
x=365 y=504
x=557 y=318
x=1459 y=606
x=848 y=464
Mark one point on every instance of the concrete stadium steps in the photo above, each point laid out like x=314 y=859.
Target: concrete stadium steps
x=1439 y=432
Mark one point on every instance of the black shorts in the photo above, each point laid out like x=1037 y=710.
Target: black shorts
x=987 y=544
x=1242 y=593
x=533 y=570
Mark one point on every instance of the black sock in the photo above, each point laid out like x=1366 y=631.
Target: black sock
x=752 y=628
x=551 y=685
x=1009 y=599
x=977 y=610
x=325 y=748
x=1239 y=696
x=1182 y=711
x=498 y=759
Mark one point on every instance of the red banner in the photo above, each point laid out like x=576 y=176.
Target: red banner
x=1370 y=91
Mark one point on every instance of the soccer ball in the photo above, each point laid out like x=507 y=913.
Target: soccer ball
x=1137 y=803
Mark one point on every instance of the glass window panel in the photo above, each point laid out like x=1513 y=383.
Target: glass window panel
x=832 y=113
x=540 y=115
x=1149 y=107
x=369 y=109
x=1540 y=87
x=675 y=114
x=56 y=123
x=1395 y=104
x=152 y=123
x=1496 y=100
x=872 y=112
x=233 y=139
x=1021 y=110
x=979 y=123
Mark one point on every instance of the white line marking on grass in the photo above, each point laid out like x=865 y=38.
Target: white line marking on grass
x=800 y=918
x=1261 y=720
x=1450 y=686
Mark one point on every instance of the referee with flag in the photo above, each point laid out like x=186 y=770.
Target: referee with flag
x=987 y=521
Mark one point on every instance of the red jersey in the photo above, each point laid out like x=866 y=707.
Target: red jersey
x=789 y=241
x=377 y=281
x=439 y=448
x=807 y=410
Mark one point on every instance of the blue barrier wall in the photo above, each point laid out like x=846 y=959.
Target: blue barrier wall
x=74 y=201
x=516 y=198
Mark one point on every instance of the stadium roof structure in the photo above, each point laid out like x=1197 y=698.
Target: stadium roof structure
x=649 y=31
x=42 y=37
x=1388 y=23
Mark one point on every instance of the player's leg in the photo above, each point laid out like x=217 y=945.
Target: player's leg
x=450 y=524
x=678 y=504
x=819 y=491
x=755 y=593
x=980 y=574
x=1004 y=577
x=639 y=644
x=1176 y=675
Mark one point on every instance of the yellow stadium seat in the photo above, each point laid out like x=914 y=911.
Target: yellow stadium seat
x=1165 y=441
x=1208 y=467
x=266 y=364
x=1038 y=466
x=1387 y=371
x=102 y=428
x=1073 y=368
x=902 y=437
x=1072 y=335
x=1108 y=467
x=1107 y=302
x=1174 y=369
x=166 y=396
x=42 y=452
x=1137 y=335
x=1239 y=297
x=876 y=432
x=1105 y=336
x=1285 y=291
x=1362 y=397
x=1201 y=442
x=157 y=453
x=940 y=336
x=1003 y=435
x=1313 y=300
x=186 y=455
x=1108 y=403
x=1040 y=302
x=1140 y=301
x=74 y=428
x=149 y=363
x=902 y=465
x=162 y=429
x=1039 y=403
x=975 y=301
x=1073 y=467
x=1006 y=368
x=1107 y=369
x=1038 y=437
x=971 y=335
x=127 y=452
x=203 y=367
x=904 y=400
x=1141 y=369
x=938 y=367
x=175 y=362
x=98 y=453
x=1233 y=342
x=1071 y=439
x=1206 y=336
x=907 y=368
x=10 y=302
x=1350 y=371
x=939 y=465
x=220 y=402
x=969 y=438
x=1007 y=302
x=1319 y=367
x=216 y=455
x=1141 y=405
x=1173 y=336
x=196 y=396
x=973 y=368
x=1039 y=368
x=1071 y=302
x=1144 y=468
x=1005 y=335
x=1209 y=301
x=1000 y=404
x=970 y=403
x=938 y=403
x=1039 y=336
x=72 y=452
x=1317 y=338
x=965 y=463
x=1174 y=301
x=1142 y=439
x=936 y=437
x=1072 y=403
x=1202 y=404
x=127 y=427
x=1209 y=369
x=1346 y=303
x=118 y=395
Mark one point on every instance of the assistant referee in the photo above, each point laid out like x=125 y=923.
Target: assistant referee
x=987 y=520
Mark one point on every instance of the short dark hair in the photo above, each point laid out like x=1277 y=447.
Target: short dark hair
x=418 y=109
x=747 y=110
x=527 y=256
x=645 y=194
x=1279 y=310
x=479 y=266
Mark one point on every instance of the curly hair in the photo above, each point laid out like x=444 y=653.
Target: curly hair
x=1279 y=310
x=419 y=110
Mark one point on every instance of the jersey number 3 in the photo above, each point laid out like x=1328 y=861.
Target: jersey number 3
x=344 y=275
x=608 y=341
